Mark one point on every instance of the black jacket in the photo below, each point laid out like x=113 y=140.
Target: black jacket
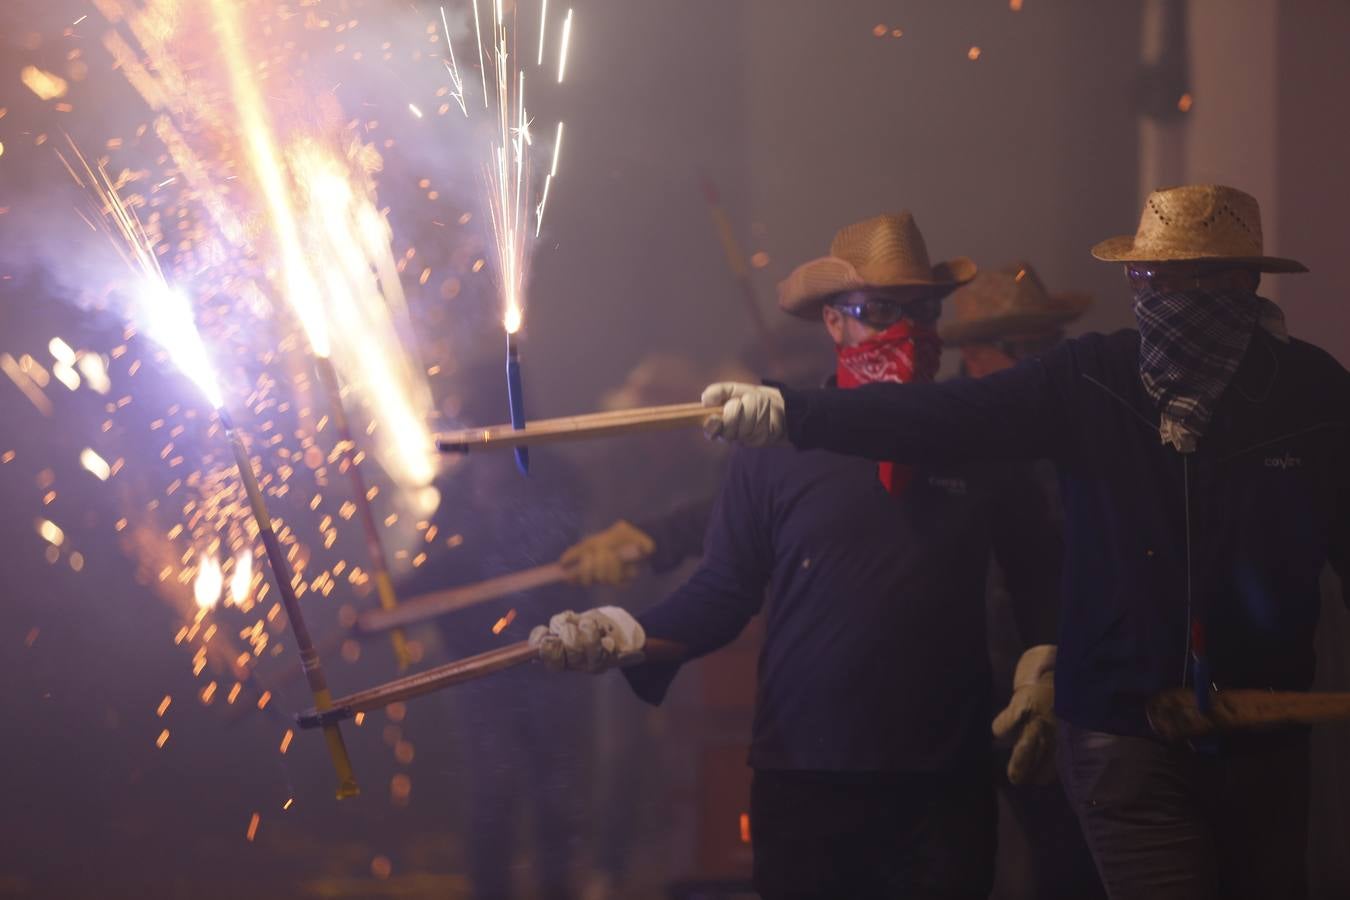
x=1235 y=535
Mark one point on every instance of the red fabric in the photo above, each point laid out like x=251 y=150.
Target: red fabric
x=905 y=352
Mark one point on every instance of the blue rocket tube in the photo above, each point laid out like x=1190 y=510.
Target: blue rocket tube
x=515 y=393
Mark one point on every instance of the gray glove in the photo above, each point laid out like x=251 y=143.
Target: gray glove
x=1029 y=718
x=751 y=414
x=592 y=641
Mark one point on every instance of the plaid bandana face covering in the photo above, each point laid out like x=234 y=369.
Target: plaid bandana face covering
x=1191 y=345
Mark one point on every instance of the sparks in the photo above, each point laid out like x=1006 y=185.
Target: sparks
x=207 y=585
x=412 y=108
x=566 y=43
x=95 y=464
x=543 y=29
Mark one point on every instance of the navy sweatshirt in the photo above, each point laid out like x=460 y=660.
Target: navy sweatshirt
x=1235 y=534
x=874 y=655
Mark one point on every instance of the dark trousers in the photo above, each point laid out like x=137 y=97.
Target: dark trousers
x=1164 y=821
x=840 y=835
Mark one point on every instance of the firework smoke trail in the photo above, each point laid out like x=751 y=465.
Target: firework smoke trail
x=508 y=173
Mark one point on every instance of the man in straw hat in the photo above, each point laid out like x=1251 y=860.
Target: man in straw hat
x=1002 y=317
x=871 y=745
x=1203 y=465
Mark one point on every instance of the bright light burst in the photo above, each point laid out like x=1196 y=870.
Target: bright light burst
x=164 y=312
x=206 y=587
x=508 y=172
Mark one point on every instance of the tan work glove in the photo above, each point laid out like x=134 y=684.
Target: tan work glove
x=590 y=641
x=610 y=557
x=1029 y=719
x=750 y=414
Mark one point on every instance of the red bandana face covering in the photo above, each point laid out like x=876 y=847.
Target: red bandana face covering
x=905 y=352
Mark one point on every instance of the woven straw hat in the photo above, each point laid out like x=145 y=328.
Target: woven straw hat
x=1197 y=223
x=885 y=251
x=1009 y=302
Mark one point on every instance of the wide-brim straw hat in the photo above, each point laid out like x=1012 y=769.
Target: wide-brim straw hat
x=1009 y=302
x=882 y=252
x=1197 y=223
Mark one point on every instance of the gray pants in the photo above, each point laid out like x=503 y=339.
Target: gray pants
x=1164 y=821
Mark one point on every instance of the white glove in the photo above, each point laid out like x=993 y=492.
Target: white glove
x=592 y=641
x=752 y=414
x=1029 y=719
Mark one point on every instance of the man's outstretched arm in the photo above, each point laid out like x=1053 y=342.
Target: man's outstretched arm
x=1015 y=414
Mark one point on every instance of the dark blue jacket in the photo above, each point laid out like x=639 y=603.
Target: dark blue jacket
x=1236 y=533
x=874 y=654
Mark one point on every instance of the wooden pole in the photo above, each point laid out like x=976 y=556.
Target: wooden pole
x=571 y=428
x=281 y=571
x=379 y=562
x=448 y=675
x=1174 y=715
x=438 y=603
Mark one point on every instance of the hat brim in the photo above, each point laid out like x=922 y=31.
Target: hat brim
x=1068 y=307
x=806 y=303
x=1122 y=249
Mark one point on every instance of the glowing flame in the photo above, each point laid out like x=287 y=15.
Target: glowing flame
x=166 y=314
x=301 y=286
x=207 y=586
x=242 y=579
x=170 y=324
x=95 y=464
x=361 y=289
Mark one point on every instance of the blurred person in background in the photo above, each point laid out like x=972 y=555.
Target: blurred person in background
x=1001 y=318
x=525 y=740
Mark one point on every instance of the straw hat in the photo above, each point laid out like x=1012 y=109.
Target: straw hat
x=885 y=251
x=1197 y=223
x=1008 y=302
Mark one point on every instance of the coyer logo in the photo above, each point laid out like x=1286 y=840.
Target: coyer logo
x=1288 y=461
x=955 y=487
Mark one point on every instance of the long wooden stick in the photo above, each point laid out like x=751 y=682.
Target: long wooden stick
x=1174 y=715
x=571 y=428
x=379 y=562
x=448 y=675
x=438 y=603
x=281 y=571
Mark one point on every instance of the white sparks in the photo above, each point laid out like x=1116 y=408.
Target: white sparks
x=482 y=67
x=566 y=42
x=412 y=108
x=95 y=464
x=543 y=30
x=242 y=579
x=61 y=351
x=456 y=82
x=207 y=585
x=557 y=147
x=51 y=532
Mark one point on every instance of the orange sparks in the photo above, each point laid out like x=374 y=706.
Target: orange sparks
x=46 y=85
x=973 y=54
x=252 y=831
x=162 y=739
x=286 y=741
x=501 y=624
x=264 y=699
x=1184 y=102
x=164 y=706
